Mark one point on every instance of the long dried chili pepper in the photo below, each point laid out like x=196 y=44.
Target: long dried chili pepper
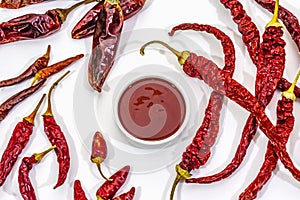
x=86 y=26
x=285 y=122
x=57 y=138
x=14 y=4
x=126 y=196
x=38 y=64
x=99 y=151
x=79 y=193
x=32 y=26
x=109 y=188
x=105 y=43
x=17 y=143
x=201 y=67
x=25 y=186
x=11 y=102
x=198 y=152
x=55 y=68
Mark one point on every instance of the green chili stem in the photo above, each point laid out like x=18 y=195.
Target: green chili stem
x=30 y=118
x=274 y=21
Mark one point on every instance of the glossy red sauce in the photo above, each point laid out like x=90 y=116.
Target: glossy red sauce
x=151 y=109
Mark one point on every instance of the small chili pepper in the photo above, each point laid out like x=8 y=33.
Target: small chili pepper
x=55 y=68
x=14 y=4
x=109 y=188
x=38 y=64
x=25 y=186
x=126 y=196
x=105 y=43
x=86 y=26
x=17 y=143
x=57 y=138
x=32 y=26
x=199 y=66
x=11 y=102
x=79 y=193
x=99 y=151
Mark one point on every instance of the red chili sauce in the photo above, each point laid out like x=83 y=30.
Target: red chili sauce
x=151 y=109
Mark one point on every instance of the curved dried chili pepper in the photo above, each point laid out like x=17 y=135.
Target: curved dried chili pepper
x=201 y=67
x=14 y=4
x=32 y=26
x=99 y=151
x=11 y=102
x=57 y=138
x=25 y=186
x=38 y=64
x=17 y=143
x=55 y=68
x=105 y=43
x=126 y=196
x=198 y=152
x=109 y=188
x=86 y=26
x=79 y=193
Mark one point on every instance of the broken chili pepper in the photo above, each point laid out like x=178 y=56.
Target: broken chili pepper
x=32 y=26
x=105 y=43
x=79 y=193
x=285 y=124
x=86 y=26
x=201 y=67
x=126 y=196
x=198 y=152
x=99 y=151
x=55 y=68
x=38 y=64
x=11 y=102
x=57 y=138
x=17 y=143
x=14 y=4
x=109 y=188
x=25 y=186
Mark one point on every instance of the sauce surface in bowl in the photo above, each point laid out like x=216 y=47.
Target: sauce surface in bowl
x=151 y=109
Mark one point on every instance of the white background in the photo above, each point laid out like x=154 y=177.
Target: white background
x=15 y=57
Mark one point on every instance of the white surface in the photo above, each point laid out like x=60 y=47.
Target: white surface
x=155 y=185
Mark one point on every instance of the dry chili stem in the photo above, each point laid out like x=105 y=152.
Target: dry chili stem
x=63 y=13
x=113 y=2
x=289 y=94
x=181 y=174
x=97 y=161
x=49 y=108
x=39 y=156
x=47 y=54
x=182 y=56
x=30 y=118
x=274 y=21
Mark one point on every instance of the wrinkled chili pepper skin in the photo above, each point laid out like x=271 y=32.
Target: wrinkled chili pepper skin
x=30 y=26
x=57 y=138
x=14 y=4
x=79 y=193
x=9 y=104
x=105 y=43
x=126 y=196
x=109 y=188
x=86 y=26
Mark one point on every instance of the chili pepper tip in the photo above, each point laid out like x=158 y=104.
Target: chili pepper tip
x=30 y=118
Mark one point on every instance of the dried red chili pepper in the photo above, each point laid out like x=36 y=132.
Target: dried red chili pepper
x=201 y=67
x=126 y=196
x=32 y=26
x=198 y=152
x=284 y=84
x=57 y=138
x=11 y=102
x=17 y=143
x=55 y=68
x=79 y=193
x=105 y=43
x=38 y=64
x=14 y=4
x=285 y=121
x=99 y=151
x=86 y=26
x=109 y=188
x=25 y=186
